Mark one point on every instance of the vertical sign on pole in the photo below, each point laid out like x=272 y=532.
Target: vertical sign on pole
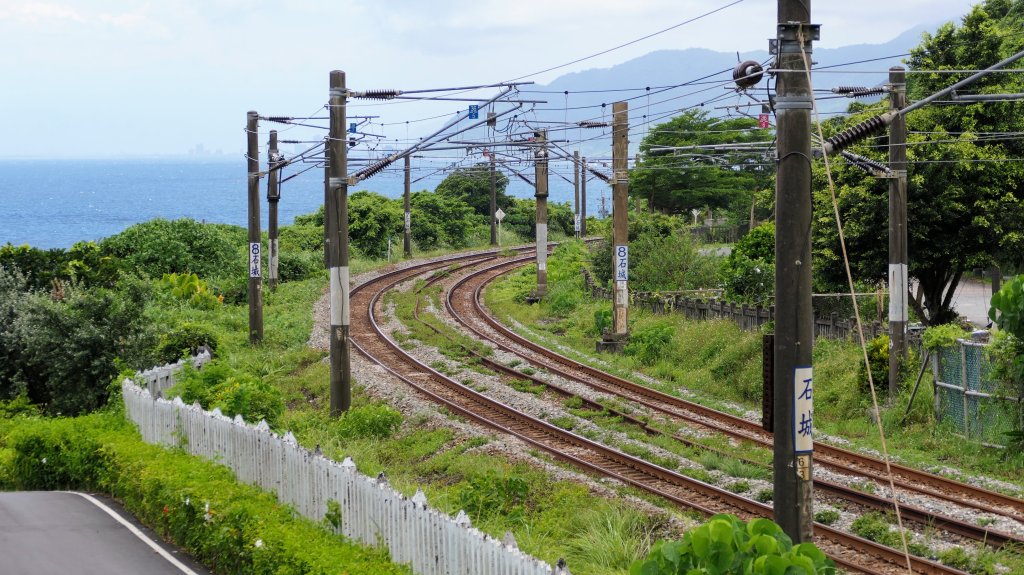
x=803 y=420
x=474 y=111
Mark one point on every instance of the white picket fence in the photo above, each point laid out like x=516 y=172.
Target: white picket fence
x=432 y=542
x=161 y=378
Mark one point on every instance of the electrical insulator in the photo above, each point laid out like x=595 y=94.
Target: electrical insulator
x=279 y=119
x=851 y=135
x=377 y=94
x=858 y=91
x=747 y=73
x=864 y=163
x=592 y=124
x=492 y=119
x=351 y=142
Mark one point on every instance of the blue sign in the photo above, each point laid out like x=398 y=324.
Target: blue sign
x=474 y=111
x=351 y=127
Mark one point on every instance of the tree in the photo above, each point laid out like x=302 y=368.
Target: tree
x=684 y=179
x=964 y=195
x=438 y=220
x=373 y=219
x=472 y=186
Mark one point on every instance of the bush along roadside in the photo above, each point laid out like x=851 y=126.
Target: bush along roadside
x=231 y=527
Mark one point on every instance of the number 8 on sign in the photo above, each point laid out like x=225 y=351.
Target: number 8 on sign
x=621 y=263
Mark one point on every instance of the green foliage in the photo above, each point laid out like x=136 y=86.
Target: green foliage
x=827 y=516
x=439 y=221
x=937 y=337
x=703 y=181
x=662 y=256
x=647 y=343
x=189 y=288
x=878 y=357
x=749 y=271
x=295 y=265
x=83 y=263
x=472 y=186
x=64 y=350
x=251 y=397
x=159 y=246
x=491 y=493
x=375 y=421
x=235 y=529
x=602 y=321
x=373 y=221
x=185 y=339
x=725 y=546
x=218 y=385
x=964 y=197
x=1008 y=307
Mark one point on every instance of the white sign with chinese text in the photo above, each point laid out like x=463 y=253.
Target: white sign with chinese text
x=803 y=410
x=254 y=260
x=621 y=263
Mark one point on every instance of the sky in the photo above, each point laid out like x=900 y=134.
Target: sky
x=110 y=78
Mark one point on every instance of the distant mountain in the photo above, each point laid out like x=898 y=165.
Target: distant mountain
x=672 y=67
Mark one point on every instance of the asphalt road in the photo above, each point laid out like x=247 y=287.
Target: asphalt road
x=57 y=533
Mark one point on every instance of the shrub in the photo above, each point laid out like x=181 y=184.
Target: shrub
x=939 y=336
x=179 y=246
x=749 y=272
x=369 y=421
x=233 y=528
x=218 y=385
x=878 y=357
x=250 y=397
x=726 y=545
x=186 y=339
x=69 y=346
x=299 y=265
x=648 y=343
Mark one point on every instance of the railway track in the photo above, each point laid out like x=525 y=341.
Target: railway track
x=852 y=553
x=463 y=303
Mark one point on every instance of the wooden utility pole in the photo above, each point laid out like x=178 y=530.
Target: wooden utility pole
x=794 y=335
x=620 y=220
x=898 y=287
x=273 y=197
x=576 y=167
x=255 y=247
x=494 y=203
x=541 y=178
x=328 y=221
x=583 y=198
x=407 y=233
x=337 y=212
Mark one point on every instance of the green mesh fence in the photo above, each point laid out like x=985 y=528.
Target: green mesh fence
x=962 y=387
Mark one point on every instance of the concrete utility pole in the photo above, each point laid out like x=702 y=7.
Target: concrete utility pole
x=583 y=198
x=407 y=234
x=794 y=335
x=494 y=203
x=898 y=287
x=620 y=219
x=255 y=247
x=337 y=212
x=273 y=197
x=576 y=167
x=541 y=178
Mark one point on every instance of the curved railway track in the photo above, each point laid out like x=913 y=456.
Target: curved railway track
x=463 y=303
x=849 y=551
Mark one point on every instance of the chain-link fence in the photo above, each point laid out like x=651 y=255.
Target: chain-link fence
x=967 y=397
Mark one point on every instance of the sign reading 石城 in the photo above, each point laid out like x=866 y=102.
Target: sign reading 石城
x=254 y=259
x=803 y=410
x=621 y=263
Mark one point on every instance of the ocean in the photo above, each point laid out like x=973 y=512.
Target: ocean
x=55 y=203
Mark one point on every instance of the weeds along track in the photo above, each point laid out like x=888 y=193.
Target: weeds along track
x=464 y=303
x=852 y=553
